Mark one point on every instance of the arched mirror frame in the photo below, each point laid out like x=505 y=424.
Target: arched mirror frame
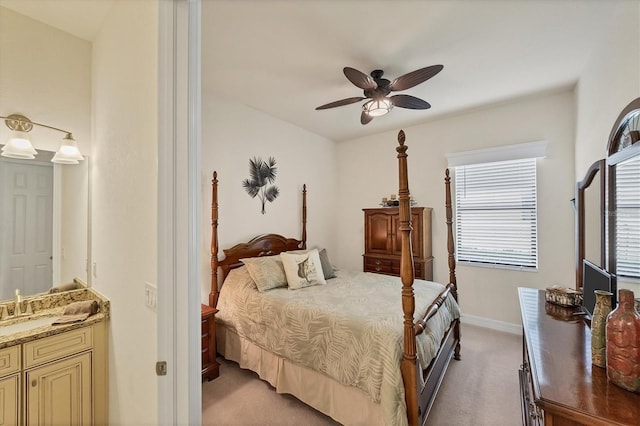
x=624 y=143
x=596 y=169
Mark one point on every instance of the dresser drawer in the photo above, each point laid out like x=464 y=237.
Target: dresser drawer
x=9 y=360
x=210 y=366
x=532 y=415
x=205 y=325
x=58 y=346
x=206 y=354
x=372 y=264
x=392 y=267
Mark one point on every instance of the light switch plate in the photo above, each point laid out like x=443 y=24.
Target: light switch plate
x=150 y=296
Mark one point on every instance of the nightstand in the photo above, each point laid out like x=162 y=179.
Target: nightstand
x=210 y=367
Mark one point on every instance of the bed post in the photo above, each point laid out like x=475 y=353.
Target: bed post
x=408 y=364
x=213 y=294
x=304 y=217
x=452 y=257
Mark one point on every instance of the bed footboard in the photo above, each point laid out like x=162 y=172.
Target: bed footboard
x=434 y=374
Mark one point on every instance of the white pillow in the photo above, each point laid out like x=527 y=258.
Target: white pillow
x=303 y=269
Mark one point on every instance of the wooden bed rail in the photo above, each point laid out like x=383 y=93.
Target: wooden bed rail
x=451 y=256
x=452 y=288
x=213 y=292
x=409 y=365
x=421 y=324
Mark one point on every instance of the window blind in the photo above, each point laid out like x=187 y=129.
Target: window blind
x=496 y=214
x=628 y=218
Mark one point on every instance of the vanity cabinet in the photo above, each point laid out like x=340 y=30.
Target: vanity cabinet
x=59 y=379
x=9 y=399
x=60 y=392
x=10 y=386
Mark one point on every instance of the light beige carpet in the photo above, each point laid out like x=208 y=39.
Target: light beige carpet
x=480 y=390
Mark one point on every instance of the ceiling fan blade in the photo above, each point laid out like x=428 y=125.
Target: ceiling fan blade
x=409 y=102
x=341 y=102
x=414 y=78
x=360 y=79
x=365 y=118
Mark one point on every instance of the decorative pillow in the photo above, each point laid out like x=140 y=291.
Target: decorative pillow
x=303 y=269
x=327 y=268
x=266 y=271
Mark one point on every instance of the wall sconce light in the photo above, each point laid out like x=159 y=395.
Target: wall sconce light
x=377 y=107
x=20 y=147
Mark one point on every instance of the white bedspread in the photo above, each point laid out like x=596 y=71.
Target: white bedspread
x=349 y=329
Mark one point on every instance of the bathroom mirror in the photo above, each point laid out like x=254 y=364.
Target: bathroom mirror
x=44 y=224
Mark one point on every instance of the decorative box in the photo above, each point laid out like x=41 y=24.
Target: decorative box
x=567 y=297
x=561 y=313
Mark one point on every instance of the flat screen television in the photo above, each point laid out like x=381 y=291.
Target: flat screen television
x=595 y=278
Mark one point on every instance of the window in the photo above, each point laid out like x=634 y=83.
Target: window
x=627 y=218
x=496 y=214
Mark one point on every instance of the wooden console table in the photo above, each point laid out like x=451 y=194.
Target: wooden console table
x=559 y=386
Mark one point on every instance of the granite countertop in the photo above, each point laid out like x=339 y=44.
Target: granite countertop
x=50 y=306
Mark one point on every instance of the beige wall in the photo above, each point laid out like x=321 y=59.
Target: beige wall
x=609 y=82
x=45 y=74
x=611 y=79
x=367 y=171
x=234 y=133
x=49 y=76
x=124 y=178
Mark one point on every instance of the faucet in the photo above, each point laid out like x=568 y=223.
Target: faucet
x=17 y=304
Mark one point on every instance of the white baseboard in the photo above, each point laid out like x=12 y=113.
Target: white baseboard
x=492 y=324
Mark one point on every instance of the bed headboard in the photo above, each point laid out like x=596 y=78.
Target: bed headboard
x=262 y=245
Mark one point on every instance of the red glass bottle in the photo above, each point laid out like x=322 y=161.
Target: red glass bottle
x=623 y=343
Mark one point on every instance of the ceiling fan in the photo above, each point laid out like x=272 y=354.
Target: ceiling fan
x=377 y=90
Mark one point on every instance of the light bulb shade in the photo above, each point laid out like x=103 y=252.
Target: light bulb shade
x=377 y=107
x=61 y=160
x=19 y=147
x=68 y=153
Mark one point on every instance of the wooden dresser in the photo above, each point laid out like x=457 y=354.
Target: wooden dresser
x=210 y=367
x=383 y=244
x=558 y=384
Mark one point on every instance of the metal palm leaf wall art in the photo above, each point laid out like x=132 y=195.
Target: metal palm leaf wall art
x=260 y=183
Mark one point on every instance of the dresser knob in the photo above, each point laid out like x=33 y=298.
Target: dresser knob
x=378 y=268
x=377 y=262
x=34 y=383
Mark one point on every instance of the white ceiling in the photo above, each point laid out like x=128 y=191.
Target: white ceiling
x=285 y=57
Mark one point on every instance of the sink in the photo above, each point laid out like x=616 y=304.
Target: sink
x=25 y=325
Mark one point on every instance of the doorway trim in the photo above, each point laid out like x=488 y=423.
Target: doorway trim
x=179 y=391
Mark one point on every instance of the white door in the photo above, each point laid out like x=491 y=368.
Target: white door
x=26 y=219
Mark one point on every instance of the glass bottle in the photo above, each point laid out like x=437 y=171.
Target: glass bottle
x=598 y=325
x=623 y=343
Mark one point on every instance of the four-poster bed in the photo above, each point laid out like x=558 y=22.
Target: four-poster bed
x=358 y=361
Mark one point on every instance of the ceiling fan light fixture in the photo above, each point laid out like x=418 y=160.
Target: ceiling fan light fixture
x=377 y=107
